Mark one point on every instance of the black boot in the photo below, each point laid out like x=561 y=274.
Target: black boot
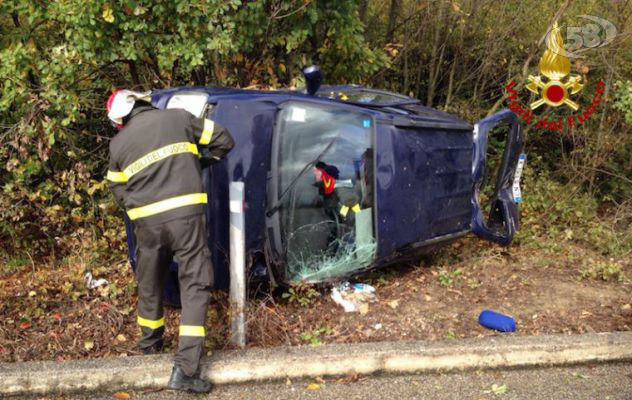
x=155 y=348
x=180 y=381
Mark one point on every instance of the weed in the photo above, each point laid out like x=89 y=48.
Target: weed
x=451 y=335
x=553 y=214
x=14 y=264
x=605 y=271
x=314 y=338
x=385 y=276
x=474 y=283
x=447 y=278
x=301 y=293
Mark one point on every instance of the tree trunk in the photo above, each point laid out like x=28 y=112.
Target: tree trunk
x=434 y=58
x=392 y=19
x=448 y=97
x=406 y=80
x=456 y=58
x=420 y=61
x=133 y=71
x=362 y=8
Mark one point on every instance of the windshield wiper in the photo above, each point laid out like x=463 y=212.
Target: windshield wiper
x=307 y=166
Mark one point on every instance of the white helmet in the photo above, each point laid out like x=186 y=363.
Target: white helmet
x=121 y=103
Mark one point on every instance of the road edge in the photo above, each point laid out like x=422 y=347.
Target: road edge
x=240 y=366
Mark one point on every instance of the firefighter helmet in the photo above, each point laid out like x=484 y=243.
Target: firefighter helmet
x=121 y=103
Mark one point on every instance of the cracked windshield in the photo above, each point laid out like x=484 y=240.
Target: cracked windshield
x=326 y=167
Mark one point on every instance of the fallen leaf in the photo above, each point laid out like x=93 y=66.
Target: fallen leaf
x=25 y=325
x=121 y=338
x=428 y=298
x=364 y=308
x=89 y=345
x=32 y=293
x=57 y=317
x=393 y=304
x=626 y=306
x=121 y=395
x=313 y=386
x=60 y=358
x=288 y=381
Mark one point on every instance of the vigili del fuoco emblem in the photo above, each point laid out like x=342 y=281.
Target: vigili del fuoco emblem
x=555 y=91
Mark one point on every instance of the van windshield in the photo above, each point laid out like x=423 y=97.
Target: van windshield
x=327 y=214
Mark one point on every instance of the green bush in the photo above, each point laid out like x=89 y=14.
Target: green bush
x=563 y=212
x=60 y=61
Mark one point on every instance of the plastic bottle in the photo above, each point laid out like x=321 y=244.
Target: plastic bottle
x=493 y=320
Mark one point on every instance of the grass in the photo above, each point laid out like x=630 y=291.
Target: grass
x=14 y=264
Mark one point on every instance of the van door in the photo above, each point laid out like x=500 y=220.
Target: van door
x=502 y=220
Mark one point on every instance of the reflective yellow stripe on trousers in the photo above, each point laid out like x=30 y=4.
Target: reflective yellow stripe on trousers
x=151 y=324
x=192 y=330
x=166 y=205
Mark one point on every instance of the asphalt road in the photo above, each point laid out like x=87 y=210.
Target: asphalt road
x=589 y=382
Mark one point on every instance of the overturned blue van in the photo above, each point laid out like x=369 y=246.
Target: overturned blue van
x=347 y=179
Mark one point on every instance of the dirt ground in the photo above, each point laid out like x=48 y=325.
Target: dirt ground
x=544 y=294
x=49 y=314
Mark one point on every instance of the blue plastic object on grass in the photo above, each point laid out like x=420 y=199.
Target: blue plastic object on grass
x=493 y=320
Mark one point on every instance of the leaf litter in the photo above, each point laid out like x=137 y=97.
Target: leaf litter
x=64 y=320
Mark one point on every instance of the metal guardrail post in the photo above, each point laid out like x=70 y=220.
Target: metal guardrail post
x=237 y=264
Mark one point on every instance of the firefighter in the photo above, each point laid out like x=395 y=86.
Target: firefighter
x=339 y=197
x=155 y=175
